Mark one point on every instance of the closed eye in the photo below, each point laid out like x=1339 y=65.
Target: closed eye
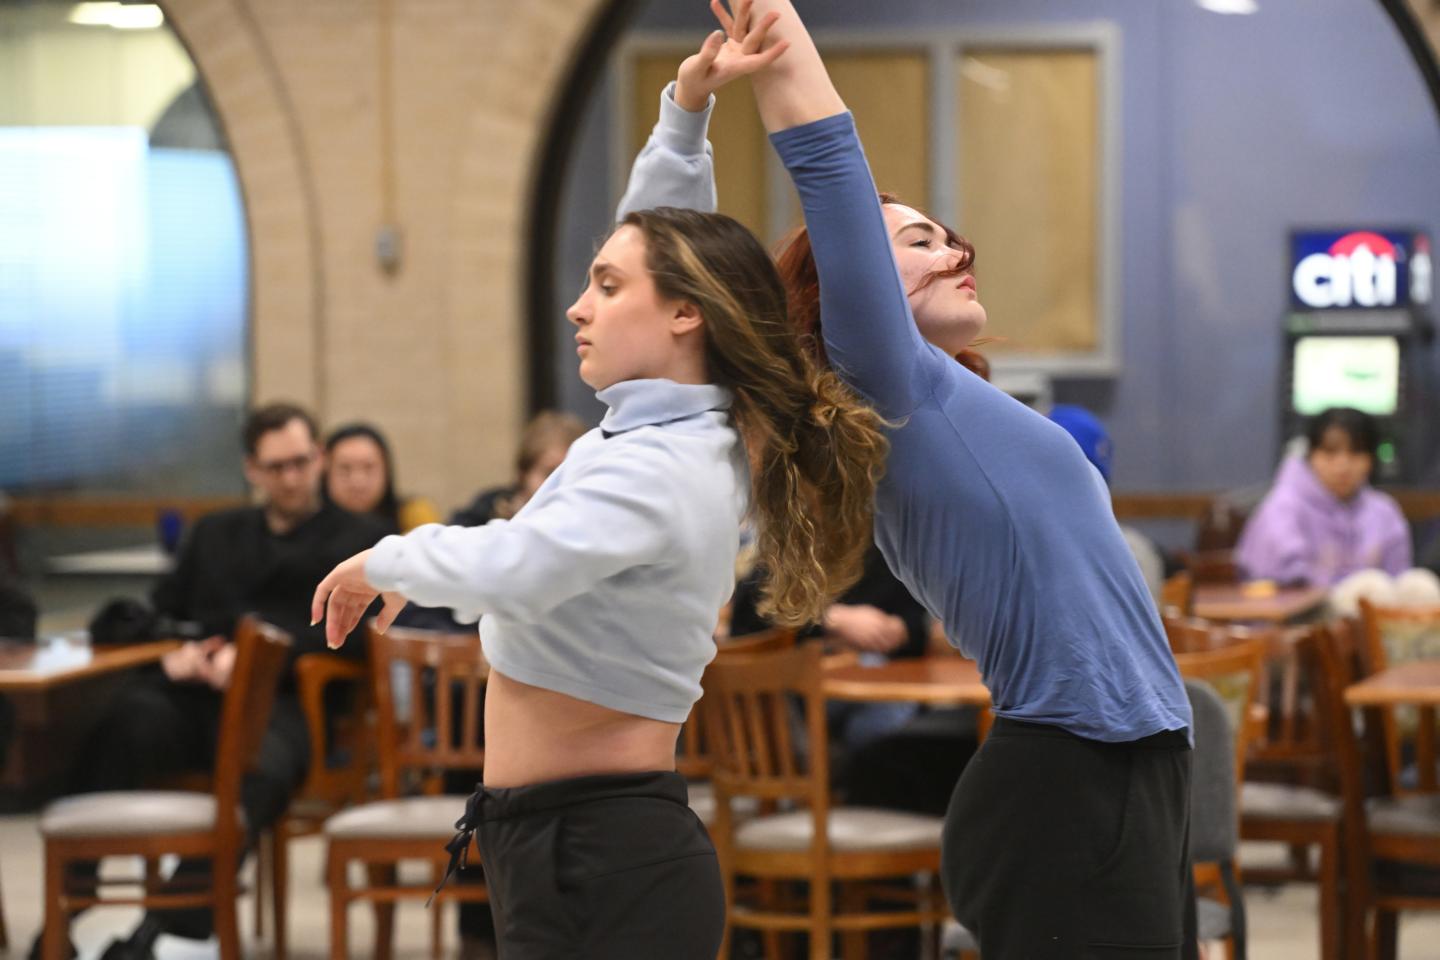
x=921 y=243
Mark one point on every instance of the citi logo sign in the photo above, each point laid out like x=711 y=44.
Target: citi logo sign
x=1359 y=269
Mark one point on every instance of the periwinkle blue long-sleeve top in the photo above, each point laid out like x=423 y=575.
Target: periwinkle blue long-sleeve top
x=988 y=512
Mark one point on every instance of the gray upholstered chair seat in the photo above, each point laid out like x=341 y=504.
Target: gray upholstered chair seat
x=851 y=829
x=702 y=801
x=954 y=939
x=129 y=813
x=1405 y=815
x=1212 y=919
x=406 y=818
x=1287 y=802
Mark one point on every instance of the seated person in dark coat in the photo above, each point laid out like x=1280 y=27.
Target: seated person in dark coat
x=264 y=560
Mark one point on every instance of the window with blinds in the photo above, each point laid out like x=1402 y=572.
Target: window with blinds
x=123 y=268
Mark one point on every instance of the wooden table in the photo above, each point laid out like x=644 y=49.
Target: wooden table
x=149 y=560
x=940 y=679
x=1226 y=601
x=43 y=667
x=58 y=692
x=1415 y=684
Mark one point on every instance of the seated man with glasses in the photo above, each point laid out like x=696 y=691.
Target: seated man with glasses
x=264 y=559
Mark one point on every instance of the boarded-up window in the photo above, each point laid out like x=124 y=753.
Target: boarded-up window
x=1027 y=137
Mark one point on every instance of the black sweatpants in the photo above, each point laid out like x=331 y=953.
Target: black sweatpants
x=155 y=729
x=1061 y=848
x=609 y=867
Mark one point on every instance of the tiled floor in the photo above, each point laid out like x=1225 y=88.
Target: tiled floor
x=1282 y=922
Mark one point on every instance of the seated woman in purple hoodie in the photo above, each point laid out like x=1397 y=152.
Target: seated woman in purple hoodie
x=1322 y=520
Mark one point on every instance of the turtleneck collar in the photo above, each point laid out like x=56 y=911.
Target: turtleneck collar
x=641 y=403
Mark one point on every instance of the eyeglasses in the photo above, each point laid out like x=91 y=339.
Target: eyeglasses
x=278 y=468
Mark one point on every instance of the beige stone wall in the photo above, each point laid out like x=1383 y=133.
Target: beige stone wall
x=1428 y=13
x=434 y=354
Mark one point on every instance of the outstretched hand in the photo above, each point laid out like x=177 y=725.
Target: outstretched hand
x=736 y=51
x=343 y=597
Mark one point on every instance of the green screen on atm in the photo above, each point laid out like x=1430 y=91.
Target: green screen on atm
x=1359 y=372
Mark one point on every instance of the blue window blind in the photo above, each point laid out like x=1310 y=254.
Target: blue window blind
x=123 y=286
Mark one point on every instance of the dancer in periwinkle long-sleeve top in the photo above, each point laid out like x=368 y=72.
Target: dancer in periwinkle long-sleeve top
x=1067 y=834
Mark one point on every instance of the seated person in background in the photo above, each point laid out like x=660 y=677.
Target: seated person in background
x=18 y=615
x=17 y=611
x=360 y=477
x=264 y=560
x=1321 y=519
x=876 y=617
x=1094 y=439
x=543 y=444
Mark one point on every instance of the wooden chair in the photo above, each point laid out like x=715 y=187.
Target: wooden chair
x=151 y=824
x=1394 y=635
x=693 y=760
x=747 y=706
x=1233 y=672
x=1301 y=806
x=1290 y=791
x=412 y=821
x=1177 y=594
x=1381 y=824
x=329 y=786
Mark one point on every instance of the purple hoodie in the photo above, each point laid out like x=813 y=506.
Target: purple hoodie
x=1303 y=533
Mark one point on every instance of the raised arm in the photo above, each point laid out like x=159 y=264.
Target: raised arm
x=870 y=335
x=792 y=91
x=676 y=167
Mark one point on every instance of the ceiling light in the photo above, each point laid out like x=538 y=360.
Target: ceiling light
x=121 y=16
x=1229 y=6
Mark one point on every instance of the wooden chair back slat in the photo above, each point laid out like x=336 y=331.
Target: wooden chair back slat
x=427 y=741
x=1234 y=672
x=1177 y=594
x=260 y=654
x=1393 y=635
x=693 y=760
x=748 y=701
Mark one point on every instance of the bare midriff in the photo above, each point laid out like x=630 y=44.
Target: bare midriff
x=533 y=735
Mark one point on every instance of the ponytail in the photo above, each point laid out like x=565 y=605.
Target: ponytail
x=817 y=452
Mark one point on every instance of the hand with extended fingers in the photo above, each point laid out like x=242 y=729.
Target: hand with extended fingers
x=735 y=51
x=343 y=597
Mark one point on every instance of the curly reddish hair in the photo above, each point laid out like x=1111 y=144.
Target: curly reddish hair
x=796 y=263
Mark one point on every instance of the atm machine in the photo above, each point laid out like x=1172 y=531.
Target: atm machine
x=1359 y=334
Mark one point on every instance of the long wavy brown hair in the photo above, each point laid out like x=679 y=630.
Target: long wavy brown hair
x=796 y=263
x=816 y=451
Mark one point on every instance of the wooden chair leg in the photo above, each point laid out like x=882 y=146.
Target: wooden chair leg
x=227 y=914
x=52 y=946
x=1332 y=911
x=263 y=865
x=153 y=878
x=279 y=887
x=339 y=887
x=437 y=916
x=1385 y=935
x=4 y=933
x=770 y=899
x=852 y=943
x=383 y=875
x=820 y=914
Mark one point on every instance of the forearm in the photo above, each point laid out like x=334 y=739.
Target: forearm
x=796 y=89
x=674 y=168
